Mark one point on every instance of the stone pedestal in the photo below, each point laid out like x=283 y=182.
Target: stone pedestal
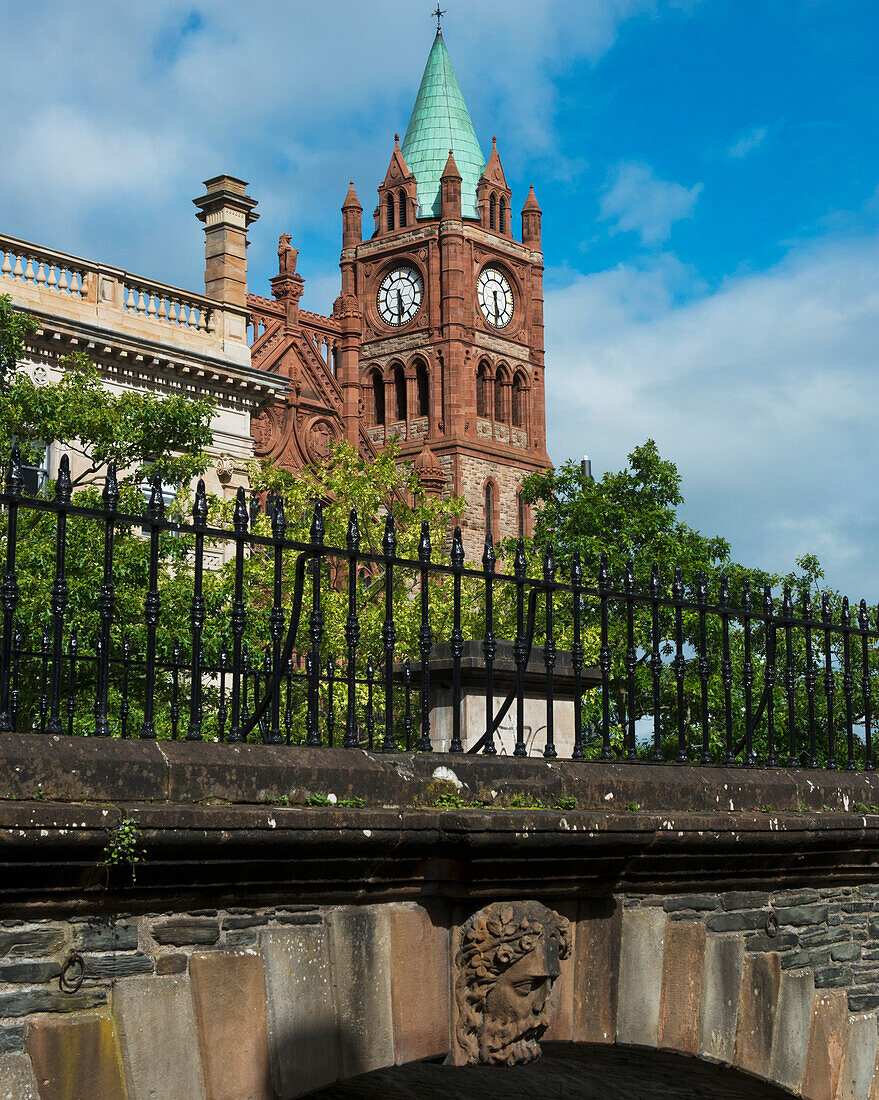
x=473 y=708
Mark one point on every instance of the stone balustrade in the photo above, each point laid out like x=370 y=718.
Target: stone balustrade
x=53 y=283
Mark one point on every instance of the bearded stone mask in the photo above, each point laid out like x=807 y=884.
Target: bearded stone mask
x=508 y=960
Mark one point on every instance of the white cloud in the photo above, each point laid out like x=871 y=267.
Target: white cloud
x=763 y=390
x=748 y=142
x=636 y=200
x=121 y=110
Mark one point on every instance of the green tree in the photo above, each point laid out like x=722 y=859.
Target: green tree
x=633 y=516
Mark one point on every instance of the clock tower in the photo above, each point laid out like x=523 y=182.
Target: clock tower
x=451 y=311
x=437 y=336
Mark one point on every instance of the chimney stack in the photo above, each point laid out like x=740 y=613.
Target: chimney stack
x=226 y=210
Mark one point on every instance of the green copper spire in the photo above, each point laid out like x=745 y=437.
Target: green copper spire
x=440 y=121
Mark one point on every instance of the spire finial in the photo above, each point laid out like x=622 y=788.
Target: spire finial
x=439 y=13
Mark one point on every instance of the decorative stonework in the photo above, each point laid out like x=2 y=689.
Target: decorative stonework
x=508 y=960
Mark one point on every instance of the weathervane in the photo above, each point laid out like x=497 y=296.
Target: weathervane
x=439 y=13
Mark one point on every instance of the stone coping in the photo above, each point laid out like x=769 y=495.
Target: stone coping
x=83 y=769
x=51 y=854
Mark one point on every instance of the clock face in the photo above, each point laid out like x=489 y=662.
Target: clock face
x=399 y=296
x=495 y=297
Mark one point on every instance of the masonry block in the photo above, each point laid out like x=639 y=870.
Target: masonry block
x=561 y=1000
x=17 y=1081
x=156 y=1023
x=76 y=1058
x=758 y=1002
x=826 y=1045
x=420 y=977
x=229 y=994
x=303 y=1038
x=721 y=988
x=596 y=970
x=859 y=1058
x=682 y=966
x=793 y=1021
x=642 y=944
x=361 y=959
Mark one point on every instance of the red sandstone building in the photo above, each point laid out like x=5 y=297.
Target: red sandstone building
x=437 y=335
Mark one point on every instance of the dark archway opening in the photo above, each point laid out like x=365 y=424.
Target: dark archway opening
x=567 y=1071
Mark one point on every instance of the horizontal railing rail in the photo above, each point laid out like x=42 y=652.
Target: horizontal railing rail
x=296 y=641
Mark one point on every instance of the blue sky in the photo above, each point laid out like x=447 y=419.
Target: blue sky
x=708 y=172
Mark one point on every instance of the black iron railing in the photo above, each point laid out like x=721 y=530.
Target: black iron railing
x=424 y=655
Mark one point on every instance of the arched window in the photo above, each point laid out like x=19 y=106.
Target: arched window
x=492 y=211
x=402 y=210
x=378 y=398
x=490 y=505
x=519 y=400
x=482 y=391
x=422 y=383
x=400 y=392
x=389 y=206
x=502 y=215
x=500 y=386
x=334 y=360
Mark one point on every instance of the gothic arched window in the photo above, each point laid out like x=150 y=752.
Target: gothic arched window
x=502 y=214
x=422 y=383
x=378 y=397
x=492 y=211
x=389 y=206
x=519 y=401
x=490 y=509
x=500 y=385
x=482 y=391
x=402 y=210
x=400 y=392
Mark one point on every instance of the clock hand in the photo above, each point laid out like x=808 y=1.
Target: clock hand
x=399 y=306
x=496 y=311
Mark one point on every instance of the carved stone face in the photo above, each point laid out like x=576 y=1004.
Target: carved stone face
x=515 y=1014
x=509 y=958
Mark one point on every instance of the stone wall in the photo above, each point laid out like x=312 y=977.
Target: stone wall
x=277 y=1001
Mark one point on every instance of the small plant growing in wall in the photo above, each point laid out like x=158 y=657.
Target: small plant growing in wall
x=124 y=848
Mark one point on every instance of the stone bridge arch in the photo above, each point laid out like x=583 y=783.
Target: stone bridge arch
x=256 y=1004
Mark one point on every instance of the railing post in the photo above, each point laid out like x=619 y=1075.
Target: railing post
x=352 y=633
x=680 y=664
x=389 y=632
x=549 y=652
x=520 y=648
x=276 y=618
x=769 y=618
x=704 y=664
x=848 y=683
x=238 y=614
x=790 y=683
x=457 y=640
x=106 y=603
x=811 y=678
x=864 y=624
x=655 y=664
x=315 y=626
x=9 y=588
x=59 y=595
x=726 y=671
x=489 y=645
x=197 y=613
x=631 y=661
x=577 y=657
x=829 y=679
x=425 y=638
x=748 y=674
x=604 y=659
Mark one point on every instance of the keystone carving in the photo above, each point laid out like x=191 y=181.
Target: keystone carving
x=507 y=963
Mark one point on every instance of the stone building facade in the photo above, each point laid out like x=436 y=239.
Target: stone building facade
x=145 y=335
x=437 y=335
